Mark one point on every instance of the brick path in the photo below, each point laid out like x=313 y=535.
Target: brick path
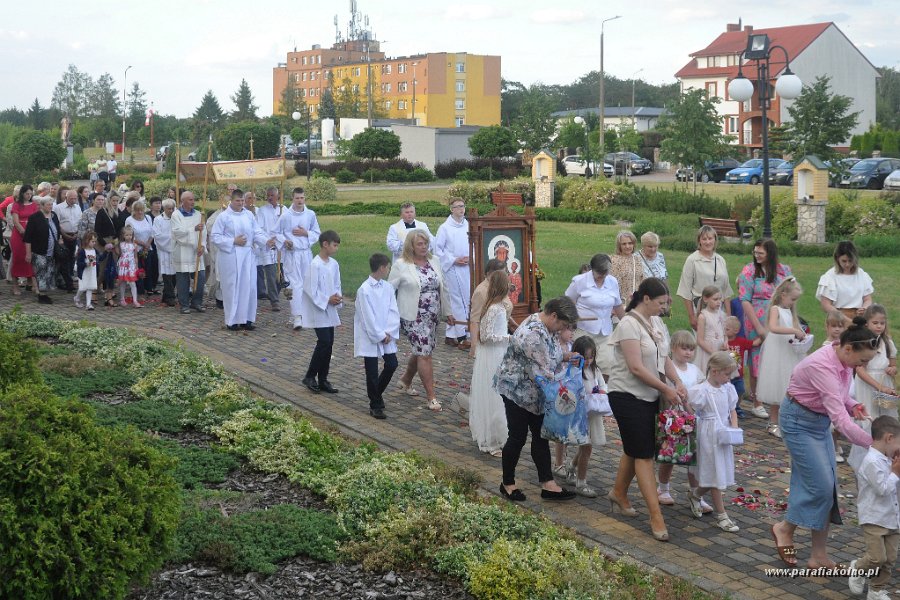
x=273 y=359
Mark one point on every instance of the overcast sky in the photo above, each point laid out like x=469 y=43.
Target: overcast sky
x=180 y=49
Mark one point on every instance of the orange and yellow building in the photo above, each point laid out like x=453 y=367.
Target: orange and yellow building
x=449 y=89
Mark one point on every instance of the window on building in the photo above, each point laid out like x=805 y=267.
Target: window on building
x=355 y=88
x=460 y=104
x=293 y=59
x=401 y=104
x=731 y=124
x=460 y=67
x=401 y=68
x=387 y=88
x=460 y=121
x=304 y=60
x=387 y=105
x=356 y=72
x=304 y=75
x=460 y=85
x=303 y=92
x=387 y=69
x=712 y=89
x=319 y=59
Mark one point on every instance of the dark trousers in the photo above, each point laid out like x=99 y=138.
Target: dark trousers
x=320 y=363
x=168 y=293
x=184 y=283
x=267 y=283
x=376 y=383
x=151 y=267
x=65 y=267
x=518 y=422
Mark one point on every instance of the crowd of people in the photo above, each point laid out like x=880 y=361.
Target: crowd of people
x=609 y=322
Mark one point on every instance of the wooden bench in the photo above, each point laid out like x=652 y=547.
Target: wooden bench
x=728 y=227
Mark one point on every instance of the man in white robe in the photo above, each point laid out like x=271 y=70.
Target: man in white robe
x=213 y=288
x=267 y=216
x=235 y=233
x=452 y=248
x=296 y=232
x=190 y=244
x=397 y=232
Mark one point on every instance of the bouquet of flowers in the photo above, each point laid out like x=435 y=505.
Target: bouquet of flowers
x=676 y=437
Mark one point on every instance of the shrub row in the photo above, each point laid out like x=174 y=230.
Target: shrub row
x=508 y=168
x=358 y=166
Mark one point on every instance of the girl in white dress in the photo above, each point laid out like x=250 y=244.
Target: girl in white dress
x=87 y=270
x=487 y=416
x=710 y=326
x=714 y=402
x=877 y=376
x=778 y=358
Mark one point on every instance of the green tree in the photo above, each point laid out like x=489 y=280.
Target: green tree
x=290 y=101
x=374 y=143
x=693 y=131
x=493 y=142
x=326 y=104
x=819 y=121
x=43 y=150
x=887 y=99
x=629 y=140
x=347 y=101
x=14 y=116
x=571 y=135
x=103 y=98
x=37 y=115
x=245 y=110
x=779 y=136
x=535 y=126
x=208 y=118
x=136 y=109
x=71 y=93
x=233 y=141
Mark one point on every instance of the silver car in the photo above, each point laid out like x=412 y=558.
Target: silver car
x=892 y=182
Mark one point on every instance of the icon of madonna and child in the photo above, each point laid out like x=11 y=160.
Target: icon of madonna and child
x=502 y=246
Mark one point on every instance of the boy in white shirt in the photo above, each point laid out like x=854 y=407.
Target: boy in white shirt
x=376 y=329
x=321 y=300
x=878 y=511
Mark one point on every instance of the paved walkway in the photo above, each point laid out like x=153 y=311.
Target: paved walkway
x=273 y=359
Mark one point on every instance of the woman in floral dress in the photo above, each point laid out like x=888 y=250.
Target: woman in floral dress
x=756 y=284
x=422 y=298
x=626 y=265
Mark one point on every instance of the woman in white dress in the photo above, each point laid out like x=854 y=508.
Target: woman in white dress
x=487 y=416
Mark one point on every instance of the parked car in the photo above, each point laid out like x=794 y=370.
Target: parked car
x=870 y=173
x=782 y=175
x=751 y=171
x=837 y=172
x=892 y=182
x=712 y=171
x=628 y=163
x=577 y=165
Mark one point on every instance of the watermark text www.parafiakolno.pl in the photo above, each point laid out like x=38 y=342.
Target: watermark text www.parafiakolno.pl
x=821 y=572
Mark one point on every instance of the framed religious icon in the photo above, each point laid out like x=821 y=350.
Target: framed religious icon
x=508 y=236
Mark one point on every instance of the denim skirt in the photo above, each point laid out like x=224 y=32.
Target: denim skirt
x=812 y=502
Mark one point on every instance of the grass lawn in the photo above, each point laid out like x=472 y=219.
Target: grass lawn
x=563 y=247
x=728 y=191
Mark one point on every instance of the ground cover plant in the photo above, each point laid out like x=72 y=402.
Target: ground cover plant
x=388 y=510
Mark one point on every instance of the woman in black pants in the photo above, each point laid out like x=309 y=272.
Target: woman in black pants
x=534 y=350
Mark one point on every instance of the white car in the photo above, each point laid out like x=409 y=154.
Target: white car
x=892 y=182
x=576 y=165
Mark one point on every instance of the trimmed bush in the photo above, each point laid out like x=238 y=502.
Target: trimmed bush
x=373 y=175
x=451 y=169
x=147 y=415
x=195 y=465
x=84 y=509
x=319 y=189
x=595 y=195
x=345 y=176
x=180 y=379
x=119 y=347
x=395 y=175
x=420 y=175
x=30 y=325
x=18 y=361
x=481 y=191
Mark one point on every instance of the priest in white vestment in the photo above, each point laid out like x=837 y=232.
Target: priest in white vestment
x=397 y=232
x=235 y=233
x=452 y=248
x=267 y=216
x=296 y=232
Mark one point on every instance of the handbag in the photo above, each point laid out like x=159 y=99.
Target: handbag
x=565 y=410
x=730 y=436
x=60 y=253
x=598 y=402
x=676 y=437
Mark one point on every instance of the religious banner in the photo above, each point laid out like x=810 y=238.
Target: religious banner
x=237 y=170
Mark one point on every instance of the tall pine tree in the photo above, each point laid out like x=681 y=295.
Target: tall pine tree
x=208 y=118
x=245 y=110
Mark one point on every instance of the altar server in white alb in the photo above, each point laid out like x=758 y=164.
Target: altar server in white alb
x=452 y=248
x=376 y=329
x=267 y=216
x=297 y=230
x=235 y=234
x=397 y=232
x=321 y=300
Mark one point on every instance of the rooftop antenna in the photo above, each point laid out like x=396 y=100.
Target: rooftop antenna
x=337 y=31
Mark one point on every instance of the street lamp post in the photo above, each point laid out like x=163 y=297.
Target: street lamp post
x=415 y=63
x=632 y=97
x=788 y=87
x=296 y=115
x=124 y=108
x=602 y=97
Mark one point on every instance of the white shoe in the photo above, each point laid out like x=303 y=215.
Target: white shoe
x=665 y=498
x=407 y=389
x=78 y=302
x=586 y=491
x=564 y=474
x=838 y=459
x=774 y=430
x=704 y=507
x=856 y=583
x=298 y=323
x=726 y=524
x=878 y=595
x=695 y=505
x=759 y=411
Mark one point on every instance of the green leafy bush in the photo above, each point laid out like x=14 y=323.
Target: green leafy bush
x=146 y=415
x=216 y=407
x=196 y=465
x=595 y=195
x=118 y=346
x=373 y=175
x=31 y=325
x=320 y=189
x=18 y=361
x=743 y=206
x=84 y=509
x=345 y=176
x=420 y=175
x=674 y=200
x=180 y=379
x=255 y=541
x=95 y=381
x=480 y=191
x=395 y=175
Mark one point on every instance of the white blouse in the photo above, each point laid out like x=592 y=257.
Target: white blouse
x=143 y=229
x=845 y=291
x=594 y=301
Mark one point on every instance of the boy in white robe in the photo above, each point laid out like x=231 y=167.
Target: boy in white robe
x=296 y=232
x=397 y=232
x=376 y=329
x=267 y=258
x=452 y=248
x=321 y=300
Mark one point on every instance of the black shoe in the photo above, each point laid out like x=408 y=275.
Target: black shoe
x=326 y=386
x=310 y=382
x=199 y=308
x=563 y=495
x=249 y=326
x=515 y=496
x=220 y=304
x=233 y=327
x=378 y=413
x=44 y=299
x=170 y=303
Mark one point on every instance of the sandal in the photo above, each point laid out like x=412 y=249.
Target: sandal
x=788 y=554
x=496 y=453
x=726 y=524
x=434 y=405
x=407 y=389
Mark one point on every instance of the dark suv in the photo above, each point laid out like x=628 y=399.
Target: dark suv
x=712 y=171
x=869 y=173
x=628 y=163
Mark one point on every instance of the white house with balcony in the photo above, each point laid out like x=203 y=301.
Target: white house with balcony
x=818 y=49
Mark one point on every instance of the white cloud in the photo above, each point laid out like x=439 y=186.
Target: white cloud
x=558 y=15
